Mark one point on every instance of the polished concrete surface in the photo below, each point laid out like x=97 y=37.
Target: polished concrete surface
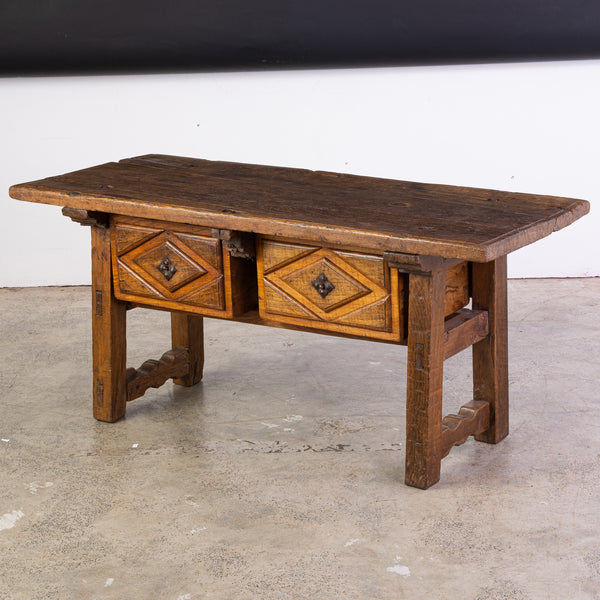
x=280 y=476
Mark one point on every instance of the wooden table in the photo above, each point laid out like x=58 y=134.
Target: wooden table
x=389 y=261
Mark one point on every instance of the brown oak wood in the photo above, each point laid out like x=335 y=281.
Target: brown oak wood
x=108 y=334
x=457 y=294
x=418 y=263
x=473 y=418
x=490 y=356
x=154 y=373
x=241 y=287
x=463 y=329
x=364 y=296
x=324 y=252
x=86 y=218
x=253 y=317
x=140 y=250
x=425 y=378
x=203 y=277
x=187 y=331
x=239 y=244
x=457 y=288
x=379 y=214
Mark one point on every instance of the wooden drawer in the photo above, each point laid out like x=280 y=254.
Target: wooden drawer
x=348 y=292
x=179 y=267
x=323 y=288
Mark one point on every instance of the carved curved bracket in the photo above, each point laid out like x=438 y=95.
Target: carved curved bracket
x=153 y=373
x=473 y=418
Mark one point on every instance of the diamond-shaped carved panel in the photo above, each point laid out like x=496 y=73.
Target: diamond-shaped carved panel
x=344 y=287
x=166 y=266
x=128 y=237
x=351 y=290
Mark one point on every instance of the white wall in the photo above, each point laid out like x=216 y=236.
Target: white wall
x=526 y=127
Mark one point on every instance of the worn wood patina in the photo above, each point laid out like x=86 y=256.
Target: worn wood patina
x=391 y=261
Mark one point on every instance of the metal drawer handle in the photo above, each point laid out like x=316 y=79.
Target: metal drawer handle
x=167 y=268
x=323 y=285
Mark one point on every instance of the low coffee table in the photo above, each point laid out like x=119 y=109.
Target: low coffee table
x=389 y=261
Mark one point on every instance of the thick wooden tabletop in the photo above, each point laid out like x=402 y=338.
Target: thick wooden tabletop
x=380 y=214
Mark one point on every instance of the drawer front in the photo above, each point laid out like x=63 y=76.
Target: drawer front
x=322 y=288
x=175 y=266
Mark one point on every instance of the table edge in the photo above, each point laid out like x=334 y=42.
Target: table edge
x=37 y=193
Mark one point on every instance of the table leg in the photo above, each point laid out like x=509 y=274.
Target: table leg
x=108 y=333
x=425 y=377
x=187 y=331
x=490 y=356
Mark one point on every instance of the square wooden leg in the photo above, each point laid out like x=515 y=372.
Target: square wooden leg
x=108 y=334
x=425 y=378
x=187 y=331
x=490 y=356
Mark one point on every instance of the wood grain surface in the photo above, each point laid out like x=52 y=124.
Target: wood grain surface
x=337 y=254
x=187 y=331
x=378 y=214
x=490 y=356
x=425 y=374
x=365 y=295
x=153 y=373
x=108 y=334
x=205 y=278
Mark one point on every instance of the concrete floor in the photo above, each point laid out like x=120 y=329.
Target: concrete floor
x=281 y=475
